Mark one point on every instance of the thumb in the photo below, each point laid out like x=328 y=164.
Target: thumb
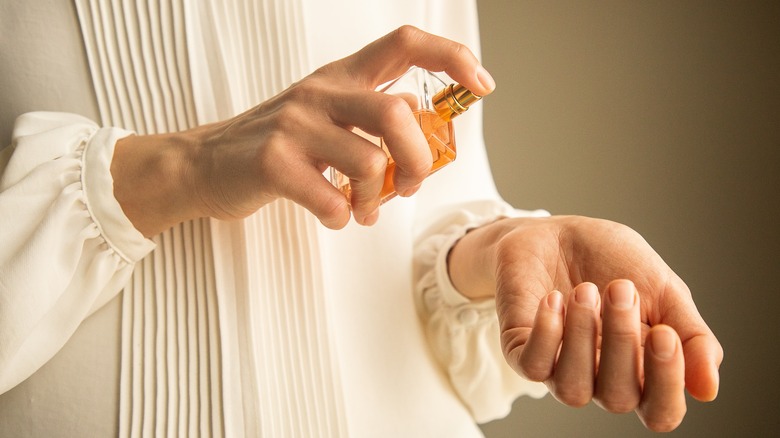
x=703 y=353
x=390 y=56
x=532 y=353
x=703 y=356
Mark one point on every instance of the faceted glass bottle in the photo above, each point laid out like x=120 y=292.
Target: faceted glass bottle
x=434 y=105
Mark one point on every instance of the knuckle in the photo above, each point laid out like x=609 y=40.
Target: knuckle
x=574 y=396
x=297 y=91
x=662 y=425
x=272 y=150
x=374 y=163
x=331 y=212
x=324 y=70
x=416 y=169
x=514 y=343
x=420 y=172
x=572 y=399
x=459 y=51
x=621 y=337
x=662 y=415
x=618 y=405
x=286 y=119
x=534 y=370
x=719 y=354
x=407 y=35
x=308 y=93
x=511 y=343
x=395 y=113
x=304 y=90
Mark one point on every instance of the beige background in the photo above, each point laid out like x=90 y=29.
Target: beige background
x=663 y=115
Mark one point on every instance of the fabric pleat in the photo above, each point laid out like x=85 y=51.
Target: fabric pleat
x=139 y=63
x=171 y=378
x=292 y=386
x=292 y=389
x=224 y=329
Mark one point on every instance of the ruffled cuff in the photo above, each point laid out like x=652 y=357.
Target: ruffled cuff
x=464 y=334
x=105 y=210
x=67 y=246
x=47 y=131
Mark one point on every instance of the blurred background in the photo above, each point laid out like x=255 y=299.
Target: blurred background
x=663 y=115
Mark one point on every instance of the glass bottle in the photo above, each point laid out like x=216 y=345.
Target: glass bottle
x=434 y=105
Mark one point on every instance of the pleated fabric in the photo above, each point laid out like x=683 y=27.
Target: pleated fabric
x=242 y=53
x=224 y=325
x=171 y=360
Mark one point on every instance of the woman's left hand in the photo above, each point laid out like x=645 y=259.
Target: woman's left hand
x=589 y=308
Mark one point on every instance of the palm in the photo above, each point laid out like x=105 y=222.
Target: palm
x=562 y=252
x=595 y=350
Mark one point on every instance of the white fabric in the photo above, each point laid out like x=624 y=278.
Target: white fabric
x=461 y=331
x=50 y=283
x=272 y=326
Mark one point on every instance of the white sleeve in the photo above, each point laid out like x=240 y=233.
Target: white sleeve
x=464 y=334
x=66 y=246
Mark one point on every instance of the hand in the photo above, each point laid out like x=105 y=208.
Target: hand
x=635 y=346
x=281 y=147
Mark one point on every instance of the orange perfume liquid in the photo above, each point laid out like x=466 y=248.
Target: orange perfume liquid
x=441 y=141
x=434 y=105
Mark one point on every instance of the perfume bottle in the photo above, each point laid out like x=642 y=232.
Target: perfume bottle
x=434 y=105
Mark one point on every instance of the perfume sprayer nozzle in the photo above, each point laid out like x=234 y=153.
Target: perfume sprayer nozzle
x=453 y=100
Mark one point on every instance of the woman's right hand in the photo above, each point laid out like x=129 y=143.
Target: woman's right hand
x=280 y=148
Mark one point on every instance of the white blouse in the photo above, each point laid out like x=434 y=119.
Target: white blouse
x=272 y=326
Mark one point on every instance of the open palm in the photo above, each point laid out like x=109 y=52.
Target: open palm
x=589 y=308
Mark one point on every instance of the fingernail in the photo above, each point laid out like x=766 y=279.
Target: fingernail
x=555 y=301
x=663 y=344
x=485 y=79
x=621 y=294
x=587 y=295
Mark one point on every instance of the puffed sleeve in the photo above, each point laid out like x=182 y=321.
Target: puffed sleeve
x=66 y=247
x=464 y=334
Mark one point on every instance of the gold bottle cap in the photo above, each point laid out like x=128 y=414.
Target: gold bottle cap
x=453 y=100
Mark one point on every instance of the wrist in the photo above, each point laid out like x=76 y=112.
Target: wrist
x=471 y=261
x=153 y=180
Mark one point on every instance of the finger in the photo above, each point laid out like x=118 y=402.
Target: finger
x=363 y=162
x=663 y=399
x=391 y=55
x=576 y=368
x=294 y=166
x=703 y=353
x=617 y=382
x=391 y=118
x=318 y=196
x=703 y=356
x=537 y=357
x=318 y=144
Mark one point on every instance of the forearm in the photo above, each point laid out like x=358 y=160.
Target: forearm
x=154 y=180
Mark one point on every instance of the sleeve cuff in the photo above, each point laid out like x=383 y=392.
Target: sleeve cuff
x=105 y=210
